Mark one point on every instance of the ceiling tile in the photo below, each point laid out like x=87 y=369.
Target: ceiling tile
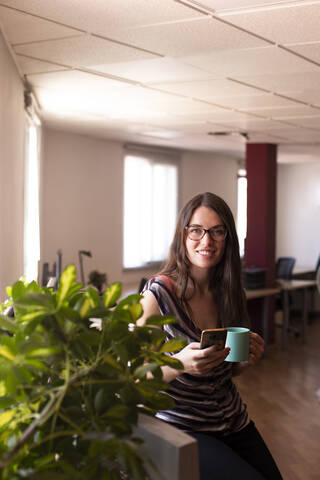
x=101 y=15
x=22 y=28
x=187 y=37
x=308 y=122
x=311 y=50
x=252 y=102
x=283 y=24
x=232 y=5
x=82 y=51
x=205 y=89
x=285 y=112
x=254 y=61
x=29 y=66
x=281 y=83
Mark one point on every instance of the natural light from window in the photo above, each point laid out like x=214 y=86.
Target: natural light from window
x=242 y=209
x=150 y=207
x=31 y=207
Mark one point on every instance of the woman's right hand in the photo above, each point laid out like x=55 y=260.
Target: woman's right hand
x=197 y=361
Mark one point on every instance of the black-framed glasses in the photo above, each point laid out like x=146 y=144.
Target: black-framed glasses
x=217 y=233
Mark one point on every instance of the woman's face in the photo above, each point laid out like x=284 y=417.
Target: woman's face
x=206 y=252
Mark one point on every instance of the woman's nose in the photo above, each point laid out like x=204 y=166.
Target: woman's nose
x=206 y=239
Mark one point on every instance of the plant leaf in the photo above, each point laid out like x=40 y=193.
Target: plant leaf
x=67 y=279
x=112 y=294
x=6 y=353
x=6 y=323
x=173 y=345
x=160 y=320
x=42 y=352
x=144 y=369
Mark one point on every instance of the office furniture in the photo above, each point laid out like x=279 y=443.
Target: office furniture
x=265 y=294
x=284 y=267
x=173 y=452
x=286 y=287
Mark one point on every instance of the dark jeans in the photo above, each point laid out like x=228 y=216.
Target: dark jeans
x=240 y=456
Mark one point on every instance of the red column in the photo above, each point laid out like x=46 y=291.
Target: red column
x=261 y=166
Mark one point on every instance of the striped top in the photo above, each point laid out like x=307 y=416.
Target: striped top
x=206 y=403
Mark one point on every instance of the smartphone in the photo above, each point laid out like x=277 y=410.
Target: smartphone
x=213 y=336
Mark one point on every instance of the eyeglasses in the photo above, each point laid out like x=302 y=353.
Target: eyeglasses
x=217 y=233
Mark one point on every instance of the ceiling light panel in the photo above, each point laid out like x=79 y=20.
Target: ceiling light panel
x=82 y=51
x=22 y=28
x=283 y=25
x=154 y=70
x=80 y=82
x=188 y=37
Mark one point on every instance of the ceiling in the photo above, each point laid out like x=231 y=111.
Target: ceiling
x=208 y=75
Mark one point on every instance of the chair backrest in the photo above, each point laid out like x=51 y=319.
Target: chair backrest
x=318 y=279
x=284 y=267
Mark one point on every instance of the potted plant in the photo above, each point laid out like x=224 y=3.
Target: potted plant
x=70 y=395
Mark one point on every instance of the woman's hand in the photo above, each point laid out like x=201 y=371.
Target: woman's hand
x=256 y=348
x=198 y=361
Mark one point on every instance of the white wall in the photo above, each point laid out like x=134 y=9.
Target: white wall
x=207 y=172
x=298 y=213
x=82 y=198
x=11 y=170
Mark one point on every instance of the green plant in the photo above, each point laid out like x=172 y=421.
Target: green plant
x=70 y=395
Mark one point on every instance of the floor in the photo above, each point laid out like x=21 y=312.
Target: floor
x=283 y=397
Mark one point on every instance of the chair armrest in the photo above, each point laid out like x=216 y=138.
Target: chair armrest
x=173 y=452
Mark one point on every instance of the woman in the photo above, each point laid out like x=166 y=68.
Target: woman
x=201 y=286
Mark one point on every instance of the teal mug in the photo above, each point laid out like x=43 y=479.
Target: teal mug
x=238 y=340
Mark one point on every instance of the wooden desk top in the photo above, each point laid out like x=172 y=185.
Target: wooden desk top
x=261 y=292
x=295 y=284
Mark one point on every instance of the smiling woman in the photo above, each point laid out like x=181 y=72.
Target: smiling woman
x=201 y=286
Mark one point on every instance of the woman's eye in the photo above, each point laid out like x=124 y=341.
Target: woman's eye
x=196 y=230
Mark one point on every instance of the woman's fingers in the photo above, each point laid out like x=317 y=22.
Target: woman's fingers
x=256 y=348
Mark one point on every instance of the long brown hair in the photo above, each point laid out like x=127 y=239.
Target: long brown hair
x=225 y=280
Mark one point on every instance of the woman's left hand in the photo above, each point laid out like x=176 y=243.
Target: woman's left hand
x=256 y=348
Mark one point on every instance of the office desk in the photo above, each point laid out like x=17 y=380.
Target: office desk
x=303 y=274
x=263 y=293
x=287 y=286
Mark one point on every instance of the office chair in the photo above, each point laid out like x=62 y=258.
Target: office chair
x=284 y=267
x=317 y=267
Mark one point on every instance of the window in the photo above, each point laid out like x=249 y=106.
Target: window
x=31 y=204
x=242 y=209
x=150 y=207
